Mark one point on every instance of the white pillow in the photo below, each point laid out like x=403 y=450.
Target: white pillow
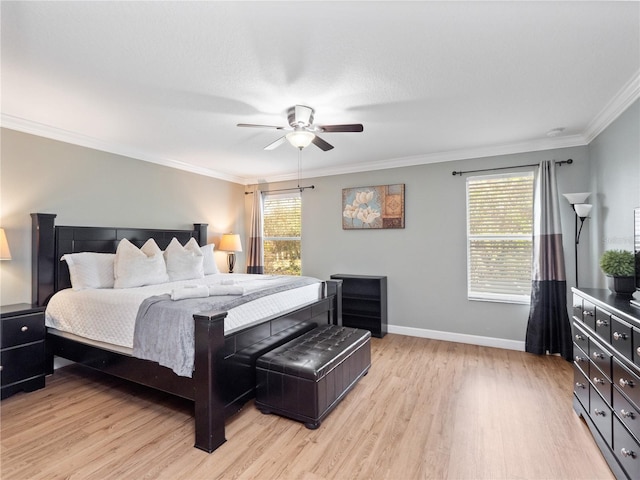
x=210 y=266
x=184 y=263
x=90 y=270
x=135 y=267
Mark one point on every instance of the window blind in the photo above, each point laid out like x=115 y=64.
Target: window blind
x=282 y=233
x=500 y=236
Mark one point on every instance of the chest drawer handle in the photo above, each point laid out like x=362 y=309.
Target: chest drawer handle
x=619 y=336
x=598 y=355
x=24 y=328
x=626 y=383
x=598 y=380
x=602 y=323
x=626 y=414
x=587 y=313
x=599 y=412
x=580 y=385
x=580 y=359
x=627 y=453
x=579 y=337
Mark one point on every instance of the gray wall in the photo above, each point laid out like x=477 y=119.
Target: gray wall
x=89 y=187
x=426 y=261
x=615 y=162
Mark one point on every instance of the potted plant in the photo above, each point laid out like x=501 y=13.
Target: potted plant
x=619 y=267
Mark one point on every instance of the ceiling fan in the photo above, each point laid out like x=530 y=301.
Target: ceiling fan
x=302 y=131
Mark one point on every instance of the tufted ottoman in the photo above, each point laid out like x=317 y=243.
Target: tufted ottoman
x=306 y=377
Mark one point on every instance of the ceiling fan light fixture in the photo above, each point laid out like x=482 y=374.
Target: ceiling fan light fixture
x=300 y=138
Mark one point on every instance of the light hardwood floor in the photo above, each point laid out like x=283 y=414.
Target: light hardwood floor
x=427 y=410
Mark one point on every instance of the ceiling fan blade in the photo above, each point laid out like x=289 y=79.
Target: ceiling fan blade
x=253 y=125
x=276 y=144
x=351 y=127
x=321 y=144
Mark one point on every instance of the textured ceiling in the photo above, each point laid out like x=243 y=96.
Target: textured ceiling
x=167 y=82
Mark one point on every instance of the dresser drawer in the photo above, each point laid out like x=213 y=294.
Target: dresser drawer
x=589 y=314
x=603 y=325
x=636 y=346
x=22 y=329
x=621 y=337
x=600 y=414
x=577 y=306
x=580 y=338
x=601 y=357
x=21 y=363
x=627 y=382
x=581 y=359
x=626 y=450
x=627 y=412
x=581 y=386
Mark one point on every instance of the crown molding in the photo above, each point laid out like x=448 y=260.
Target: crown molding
x=47 y=131
x=439 y=157
x=628 y=94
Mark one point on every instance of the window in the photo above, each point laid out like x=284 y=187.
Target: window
x=500 y=237
x=282 y=239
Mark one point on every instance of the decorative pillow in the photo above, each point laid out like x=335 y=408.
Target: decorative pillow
x=135 y=267
x=184 y=263
x=90 y=270
x=210 y=266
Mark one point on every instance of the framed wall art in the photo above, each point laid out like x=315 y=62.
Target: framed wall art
x=381 y=206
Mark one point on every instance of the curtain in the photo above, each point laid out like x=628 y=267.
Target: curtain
x=255 y=262
x=548 y=328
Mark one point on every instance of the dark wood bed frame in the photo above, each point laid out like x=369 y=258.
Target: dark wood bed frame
x=224 y=377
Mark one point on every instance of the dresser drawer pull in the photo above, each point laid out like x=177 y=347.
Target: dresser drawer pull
x=1 y=367
x=580 y=359
x=597 y=355
x=638 y=350
x=579 y=337
x=24 y=328
x=627 y=453
x=626 y=383
x=587 y=313
x=598 y=380
x=620 y=336
x=599 y=412
x=602 y=323
x=580 y=385
x=626 y=414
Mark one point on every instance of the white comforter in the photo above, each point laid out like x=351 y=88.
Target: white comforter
x=108 y=315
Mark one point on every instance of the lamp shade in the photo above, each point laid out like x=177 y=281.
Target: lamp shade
x=582 y=209
x=230 y=242
x=300 y=138
x=5 y=253
x=574 y=198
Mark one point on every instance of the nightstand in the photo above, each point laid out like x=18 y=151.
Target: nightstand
x=22 y=357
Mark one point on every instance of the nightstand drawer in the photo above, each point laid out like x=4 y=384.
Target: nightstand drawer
x=21 y=363
x=22 y=329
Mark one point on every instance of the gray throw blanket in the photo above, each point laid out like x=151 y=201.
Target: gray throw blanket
x=164 y=329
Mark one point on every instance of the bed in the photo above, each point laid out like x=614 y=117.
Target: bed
x=223 y=377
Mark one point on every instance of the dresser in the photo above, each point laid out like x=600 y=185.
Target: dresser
x=22 y=356
x=606 y=354
x=364 y=302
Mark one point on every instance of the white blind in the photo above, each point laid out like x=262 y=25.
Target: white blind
x=499 y=237
x=282 y=215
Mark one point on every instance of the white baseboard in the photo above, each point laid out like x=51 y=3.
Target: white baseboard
x=458 y=337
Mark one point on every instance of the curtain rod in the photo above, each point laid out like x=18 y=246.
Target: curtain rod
x=454 y=173
x=285 y=189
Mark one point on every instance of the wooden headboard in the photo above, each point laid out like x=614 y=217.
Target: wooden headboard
x=51 y=242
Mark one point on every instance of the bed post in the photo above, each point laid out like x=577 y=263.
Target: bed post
x=334 y=287
x=201 y=228
x=42 y=262
x=209 y=402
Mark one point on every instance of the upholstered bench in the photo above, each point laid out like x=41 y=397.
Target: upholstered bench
x=305 y=378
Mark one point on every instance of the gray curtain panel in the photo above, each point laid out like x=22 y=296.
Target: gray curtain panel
x=255 y=262
x=548 y=329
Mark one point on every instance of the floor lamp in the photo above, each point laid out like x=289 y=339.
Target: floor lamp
x=582 y=211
